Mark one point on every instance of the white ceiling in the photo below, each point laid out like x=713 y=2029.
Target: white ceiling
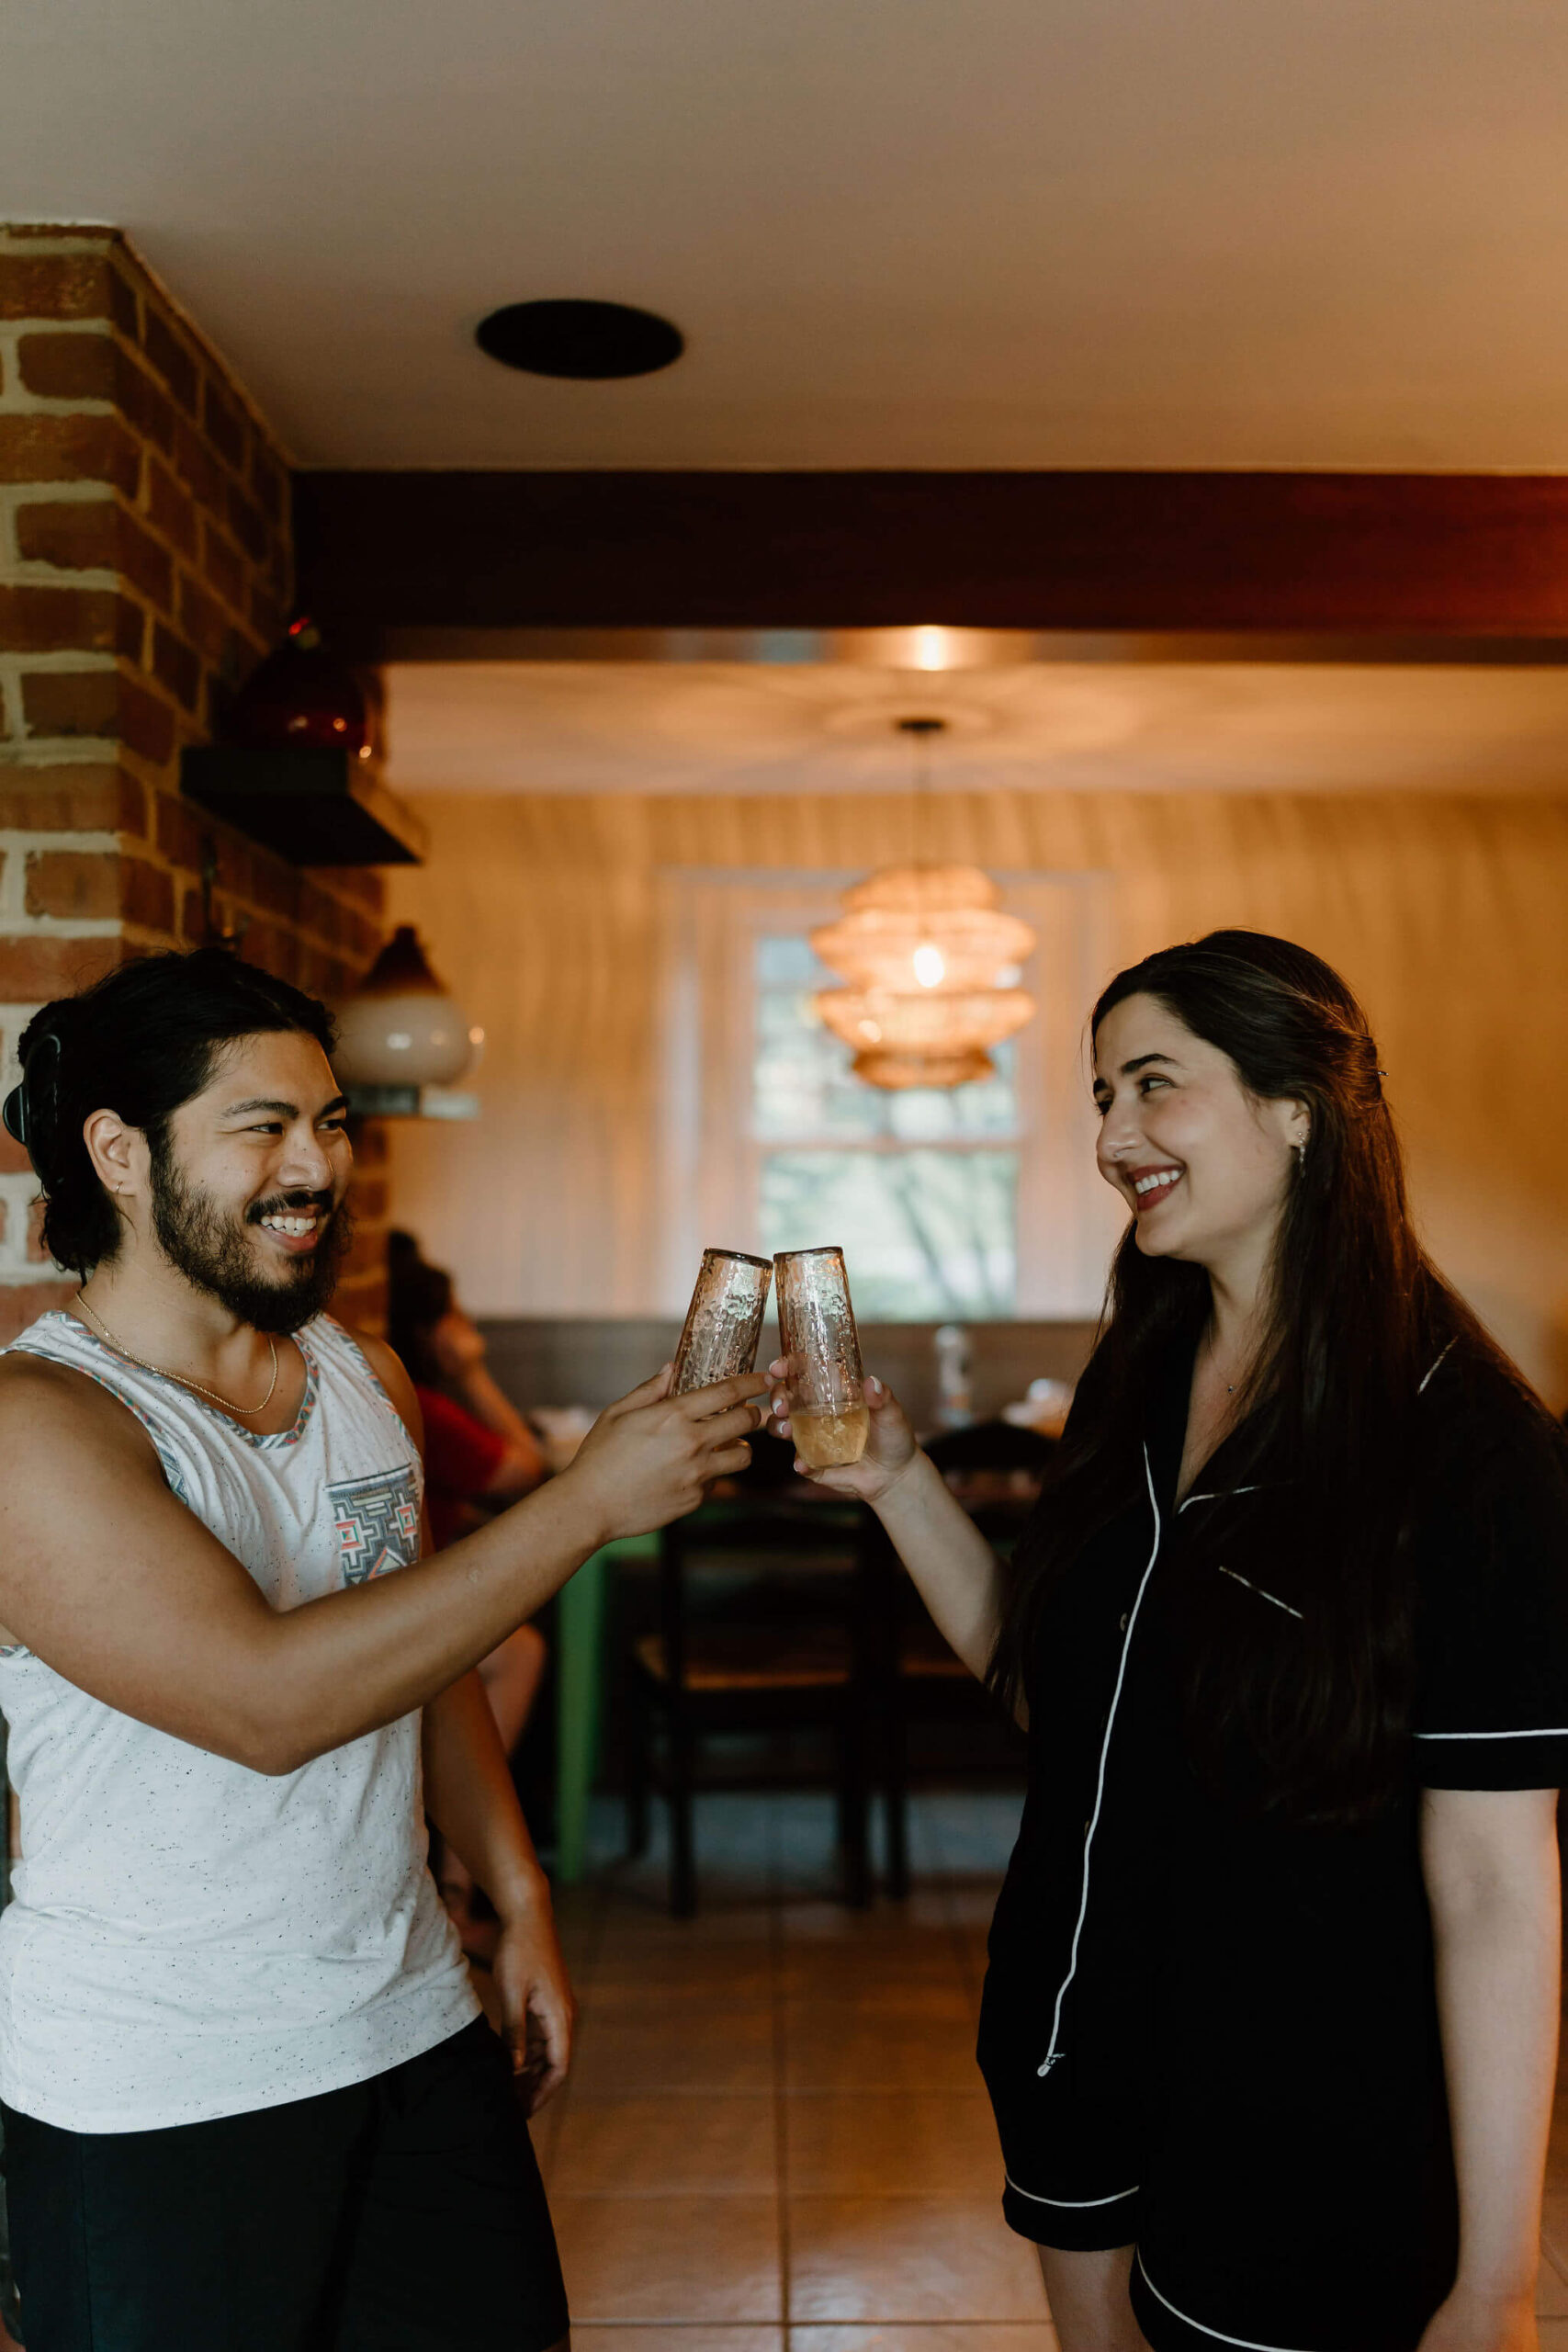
x=1010 y=233
x=715 y=727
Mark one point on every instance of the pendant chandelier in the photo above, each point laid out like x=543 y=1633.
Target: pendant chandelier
x=928 y=957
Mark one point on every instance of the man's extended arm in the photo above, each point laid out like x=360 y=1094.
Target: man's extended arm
x=115 y=1584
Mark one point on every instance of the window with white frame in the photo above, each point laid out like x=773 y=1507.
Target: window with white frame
x=920 y=1187
x=973 y=1204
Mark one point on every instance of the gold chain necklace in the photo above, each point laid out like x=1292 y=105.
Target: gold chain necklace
x=249 y=1412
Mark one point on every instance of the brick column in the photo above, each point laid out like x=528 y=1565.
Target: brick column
x=145 y=566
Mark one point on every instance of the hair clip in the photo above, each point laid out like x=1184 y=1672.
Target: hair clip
x=15 y=1110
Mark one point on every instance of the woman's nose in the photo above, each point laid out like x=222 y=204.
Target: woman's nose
x=1118 y=1137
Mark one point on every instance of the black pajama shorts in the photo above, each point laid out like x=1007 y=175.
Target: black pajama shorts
x=1285 y=2216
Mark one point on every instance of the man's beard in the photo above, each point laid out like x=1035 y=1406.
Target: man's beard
x=208 y=1248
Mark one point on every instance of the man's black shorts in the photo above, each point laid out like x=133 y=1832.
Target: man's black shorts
x=403 y=2214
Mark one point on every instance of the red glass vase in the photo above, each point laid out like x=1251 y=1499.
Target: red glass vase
x=301 y=698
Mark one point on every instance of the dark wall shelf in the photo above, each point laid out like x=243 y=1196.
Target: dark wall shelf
x=312 y=807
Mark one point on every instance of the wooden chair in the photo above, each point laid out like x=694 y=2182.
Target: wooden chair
x=763 y=1623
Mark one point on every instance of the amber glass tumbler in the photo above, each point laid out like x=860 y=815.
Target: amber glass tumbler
x=723 y=1321
x=821 y=1349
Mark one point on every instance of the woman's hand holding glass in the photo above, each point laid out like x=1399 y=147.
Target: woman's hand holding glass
x=889 y=1450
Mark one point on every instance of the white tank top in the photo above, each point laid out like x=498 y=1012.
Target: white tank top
x=186 y=1937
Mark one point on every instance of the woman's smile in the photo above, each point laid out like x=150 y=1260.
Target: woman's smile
x=1151 y=1185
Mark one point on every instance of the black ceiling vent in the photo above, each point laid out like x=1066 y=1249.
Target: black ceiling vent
x=590 y=342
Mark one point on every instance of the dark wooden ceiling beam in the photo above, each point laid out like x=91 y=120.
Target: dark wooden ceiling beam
x=1349 y=555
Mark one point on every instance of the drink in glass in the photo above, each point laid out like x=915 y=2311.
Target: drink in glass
x=821 y=1348
x=723 y=1321
x=832 y=1438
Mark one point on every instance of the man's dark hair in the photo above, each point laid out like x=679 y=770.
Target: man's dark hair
x=141 y=1042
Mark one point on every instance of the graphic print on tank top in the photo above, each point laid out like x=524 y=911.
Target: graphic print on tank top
x=378 y=1524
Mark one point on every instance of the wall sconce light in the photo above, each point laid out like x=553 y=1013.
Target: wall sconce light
x=403 y=1038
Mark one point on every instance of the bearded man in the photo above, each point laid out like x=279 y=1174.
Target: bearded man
x=249 y=2098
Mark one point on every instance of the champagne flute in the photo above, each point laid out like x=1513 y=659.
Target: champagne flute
x=827 y=1410
x=723 y=1321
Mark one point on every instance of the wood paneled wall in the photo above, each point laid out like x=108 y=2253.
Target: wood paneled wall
x=1448 y=915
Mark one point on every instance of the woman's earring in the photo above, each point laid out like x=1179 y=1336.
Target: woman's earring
x=1300 y=1152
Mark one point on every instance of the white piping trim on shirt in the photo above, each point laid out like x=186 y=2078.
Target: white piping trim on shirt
x=1248 y=2343
x=1452 y=1343
x=1053 y=2053
x=1553 y=1730
x=1258 y=1589
x=1219 y=1495
x=1071 y=2204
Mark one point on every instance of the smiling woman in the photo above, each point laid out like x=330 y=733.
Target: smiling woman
x=1275 y=1965
x=1243 y=1122
x=1201 y=1161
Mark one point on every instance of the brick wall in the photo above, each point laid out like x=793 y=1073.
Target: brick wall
x=145 y=566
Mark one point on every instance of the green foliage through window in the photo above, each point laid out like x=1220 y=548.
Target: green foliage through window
x=920 y=1188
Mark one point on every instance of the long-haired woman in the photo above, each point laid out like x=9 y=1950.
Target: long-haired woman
x=1270 y=2019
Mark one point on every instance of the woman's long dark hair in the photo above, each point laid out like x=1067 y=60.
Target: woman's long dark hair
x=1313 y=1726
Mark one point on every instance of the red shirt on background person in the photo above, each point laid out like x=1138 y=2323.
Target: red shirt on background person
x=462 y=1460
x=480 y=1455
x=482 y=1452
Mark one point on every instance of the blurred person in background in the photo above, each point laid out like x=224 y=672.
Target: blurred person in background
x=479 y=1455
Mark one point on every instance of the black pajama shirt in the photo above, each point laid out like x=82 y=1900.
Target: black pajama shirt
x=1213 y=2036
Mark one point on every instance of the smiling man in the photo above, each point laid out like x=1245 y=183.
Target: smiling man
x=249 y=2098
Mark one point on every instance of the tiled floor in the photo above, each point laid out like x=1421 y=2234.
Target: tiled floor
x=774 y=2125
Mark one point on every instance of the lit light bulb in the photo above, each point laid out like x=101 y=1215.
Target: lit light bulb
x=930 y=966
x=931 y=648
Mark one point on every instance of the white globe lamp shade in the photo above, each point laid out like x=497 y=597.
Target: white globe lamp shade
x=401 y=1027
